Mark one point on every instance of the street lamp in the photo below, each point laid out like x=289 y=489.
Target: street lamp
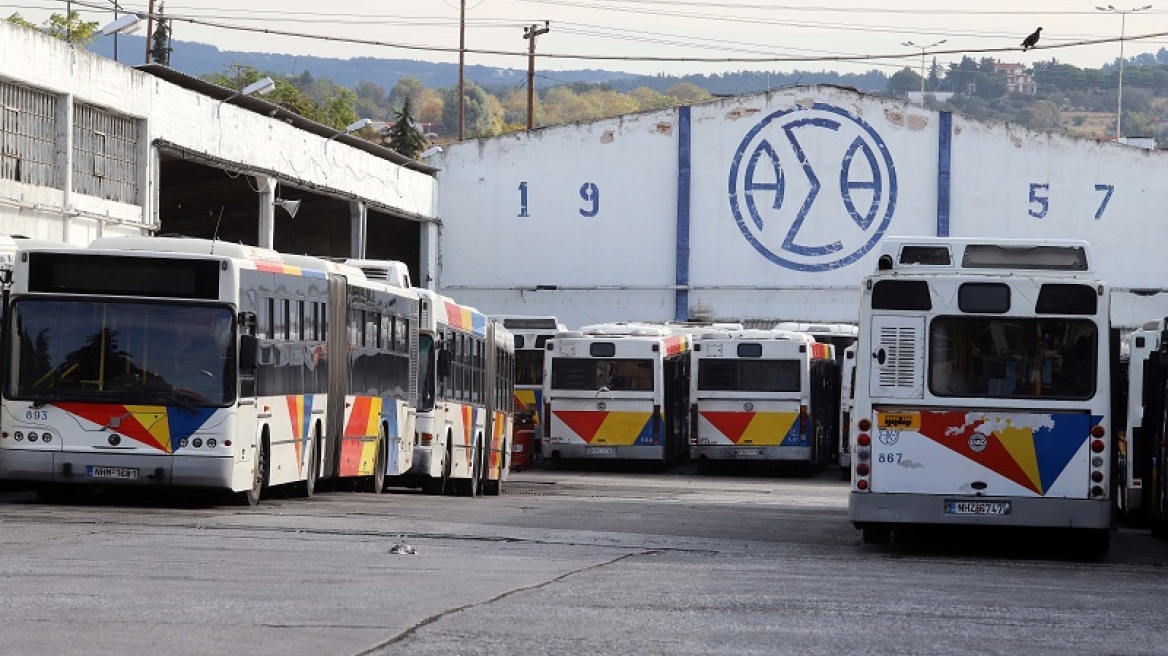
x=1122 y=25
x=910 y=44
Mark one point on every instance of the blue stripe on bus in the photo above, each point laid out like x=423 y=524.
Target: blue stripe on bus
x=681 y=297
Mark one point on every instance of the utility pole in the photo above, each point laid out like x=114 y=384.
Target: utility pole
x=530 y=33
x=461 y=67
x=149 y=30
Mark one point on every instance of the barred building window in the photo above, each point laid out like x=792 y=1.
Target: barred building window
x=105 y=154
x=28 y=134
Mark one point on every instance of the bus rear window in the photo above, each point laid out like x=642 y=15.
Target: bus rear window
x=611 y=374
x=1012 y=357
x=749 y=375
x=984 y=298
x=901 y=295
x=1067 y=299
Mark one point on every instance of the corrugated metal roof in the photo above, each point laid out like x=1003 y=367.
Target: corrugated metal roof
x=277 y=112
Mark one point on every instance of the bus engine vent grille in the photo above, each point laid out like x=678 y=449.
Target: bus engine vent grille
x=899 y=368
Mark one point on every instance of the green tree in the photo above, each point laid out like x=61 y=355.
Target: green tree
x=403 y=137
x=71 y=29
x=17 y=19
x=483 y=112
x=688 y=93
x=407 y=87
x=903 y=81
x=160 y=47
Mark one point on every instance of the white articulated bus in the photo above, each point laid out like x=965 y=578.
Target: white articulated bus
x=762 y=395
x=983 y=390
x=1145 y=405
x=847 y=403
x=467 y=399
x=617 y=391
x=191 y=363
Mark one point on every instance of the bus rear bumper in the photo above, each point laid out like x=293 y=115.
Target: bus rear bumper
x=121 y=469
x=870 y=509
x=605 y=452
x=725 y=452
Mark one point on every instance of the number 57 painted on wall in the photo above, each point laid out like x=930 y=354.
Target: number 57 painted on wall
x=1040 y=199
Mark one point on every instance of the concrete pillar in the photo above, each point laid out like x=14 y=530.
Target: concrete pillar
x=358 y=231
x=428 y=255
x=65 y=159
x=267 y=224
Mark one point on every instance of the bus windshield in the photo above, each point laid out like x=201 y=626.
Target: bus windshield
x=529 y=367
x=1012 y=357
x=611 y=374
x=121 y=352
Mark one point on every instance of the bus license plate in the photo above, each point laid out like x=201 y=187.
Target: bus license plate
x=602 y=450
x=977 y=507
x=120 y=473
x=748 y=452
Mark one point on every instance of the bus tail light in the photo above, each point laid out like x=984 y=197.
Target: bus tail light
x=863 y=469
x=863 y=439
x=1097 y=446
x=547 y=415
x=656 y=421
x=861 y=485
x=804 y=422
x=864 y=424
x=427 y=437
x=1098 y=431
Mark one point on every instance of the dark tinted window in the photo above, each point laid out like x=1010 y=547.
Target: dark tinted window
x=602 y=349
x=750 y=350
x=984 y=298
x=1067 y=299
x=935 y=255
x=901 y=295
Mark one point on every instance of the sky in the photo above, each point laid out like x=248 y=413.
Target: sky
x=656 y=36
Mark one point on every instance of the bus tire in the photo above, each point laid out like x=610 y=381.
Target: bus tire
x=252 y=496
x=376 y=482
x=306 y=488
x=876 y=534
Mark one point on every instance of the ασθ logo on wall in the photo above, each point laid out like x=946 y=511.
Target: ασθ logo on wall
x=812 y=189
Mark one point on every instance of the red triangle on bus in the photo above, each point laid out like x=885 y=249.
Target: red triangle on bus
x=584 y=423
x=731 y=424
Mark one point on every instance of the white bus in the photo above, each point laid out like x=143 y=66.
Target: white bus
x=762 y=395
x=467 y=399
x=847 y=404
x=983 y=390
x=839 y=335
x=190 y=363
x=1141 y=489
x=616 y=391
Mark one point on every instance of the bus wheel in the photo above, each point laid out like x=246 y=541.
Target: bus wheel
x=877 y=534
x=251 y=497
x=307 y=487
x=376 y=482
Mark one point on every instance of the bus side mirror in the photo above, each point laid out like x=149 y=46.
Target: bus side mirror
x=443 y=363
x=249 y=349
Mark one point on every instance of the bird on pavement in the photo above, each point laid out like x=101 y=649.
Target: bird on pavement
x=1030 y=41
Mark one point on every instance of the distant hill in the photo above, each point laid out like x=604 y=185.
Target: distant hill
x=199 y=59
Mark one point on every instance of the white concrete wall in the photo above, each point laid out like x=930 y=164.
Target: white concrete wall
x=853 y=170
x=195 y=122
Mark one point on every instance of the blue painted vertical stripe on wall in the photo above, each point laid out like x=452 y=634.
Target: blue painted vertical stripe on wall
x=681 y=299
x=944 y=172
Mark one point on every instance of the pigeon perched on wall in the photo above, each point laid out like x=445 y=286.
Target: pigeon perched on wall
x=1030 y=41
